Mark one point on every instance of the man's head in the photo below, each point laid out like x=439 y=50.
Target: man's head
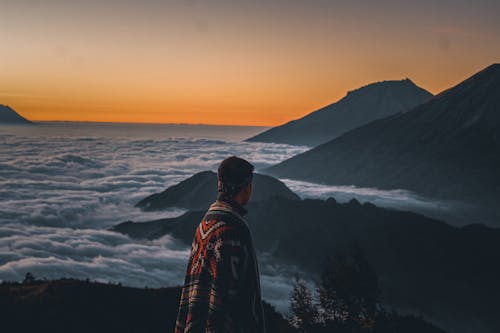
x=235 y=179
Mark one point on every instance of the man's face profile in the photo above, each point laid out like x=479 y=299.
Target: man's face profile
x=243 y=196
x=247 y=192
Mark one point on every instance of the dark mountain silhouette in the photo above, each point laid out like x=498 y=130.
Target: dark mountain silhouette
x=447 y=148
x=200 y=190
x=358 y=107
x=9 y=116
x=425 y=266
x=69 y=305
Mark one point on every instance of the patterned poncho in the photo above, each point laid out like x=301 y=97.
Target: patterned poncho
x=221 y=291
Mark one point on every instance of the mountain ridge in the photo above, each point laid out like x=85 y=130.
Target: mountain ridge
x=453 y=136
x=199 y=191
x=11 y=117
x=359 y=106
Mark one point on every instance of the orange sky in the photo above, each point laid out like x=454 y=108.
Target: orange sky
x=228 y=62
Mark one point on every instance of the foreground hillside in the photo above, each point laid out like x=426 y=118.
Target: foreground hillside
x=82 y=306
x=425 y=266
x=358 y=107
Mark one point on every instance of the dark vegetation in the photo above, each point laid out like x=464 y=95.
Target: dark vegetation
x=69 y=305
x=347 y=300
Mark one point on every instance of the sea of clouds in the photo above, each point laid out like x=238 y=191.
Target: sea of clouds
x=76 y=178
x=62 y=185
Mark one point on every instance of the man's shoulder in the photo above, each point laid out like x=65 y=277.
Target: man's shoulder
x=230 y=219
x=222 y=223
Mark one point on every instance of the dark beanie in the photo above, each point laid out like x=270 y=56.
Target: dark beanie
x=234 y=173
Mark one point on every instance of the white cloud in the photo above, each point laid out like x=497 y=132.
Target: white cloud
x=82 y=181
x=453 y=212
x=88 y=253
x=61 y=186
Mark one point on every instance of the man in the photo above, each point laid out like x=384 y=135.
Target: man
x=221 y=290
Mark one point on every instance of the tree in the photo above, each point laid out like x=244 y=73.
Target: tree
x=29 y=278
x=348 y=301
x=349 y=291
x=348 y=297
x=304 y=310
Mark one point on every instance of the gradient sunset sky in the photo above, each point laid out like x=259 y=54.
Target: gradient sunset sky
x=229 y=62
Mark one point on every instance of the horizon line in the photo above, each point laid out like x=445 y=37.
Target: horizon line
x=141 y=123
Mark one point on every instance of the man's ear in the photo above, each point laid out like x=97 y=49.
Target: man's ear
x=249 y=187
x=245 y=189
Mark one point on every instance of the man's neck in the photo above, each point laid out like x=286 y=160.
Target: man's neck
x=235 y=204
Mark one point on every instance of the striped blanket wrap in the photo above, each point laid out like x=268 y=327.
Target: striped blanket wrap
x=221 y=291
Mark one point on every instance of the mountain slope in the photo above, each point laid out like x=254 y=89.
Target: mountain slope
x=448 y=147
x=424 y=265
x=358 y=107
x=200 y=190
x=9 y=116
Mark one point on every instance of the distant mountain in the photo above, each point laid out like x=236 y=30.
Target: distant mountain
x=447 y=148
x=424 y=265
x=200 y=190
x=358 y=107
x=9 y=116
x=76 y=306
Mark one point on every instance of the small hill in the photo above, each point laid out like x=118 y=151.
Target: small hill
x=358 y=107
x=424 y=265
x=76 y=306
x=200 y=190
x=10 y=117
x=446 y=148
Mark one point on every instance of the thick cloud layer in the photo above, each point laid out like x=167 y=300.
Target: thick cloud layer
x=455 y=213
x=65 y=175
x=89 y=253
x=62 y=185
x=385 y=198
